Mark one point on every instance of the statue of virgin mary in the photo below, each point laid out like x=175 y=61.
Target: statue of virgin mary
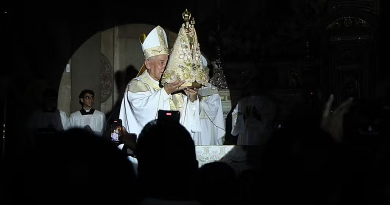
x=185 y=61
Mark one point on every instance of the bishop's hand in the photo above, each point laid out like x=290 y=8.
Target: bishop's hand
x=192 y=93
x=173 y=87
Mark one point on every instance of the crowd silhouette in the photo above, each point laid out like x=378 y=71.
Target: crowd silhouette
x=337 y=155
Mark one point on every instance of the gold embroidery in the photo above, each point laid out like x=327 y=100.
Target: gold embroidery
x=155 y=51
x=136 y=86
x=178 y=101
x=158 y=49
x=161 y=37
x=185 y=62
x=145 y=77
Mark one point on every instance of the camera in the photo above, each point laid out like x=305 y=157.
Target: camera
x=168 y=115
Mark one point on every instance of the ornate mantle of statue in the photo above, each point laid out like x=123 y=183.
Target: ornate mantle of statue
x=185 y=61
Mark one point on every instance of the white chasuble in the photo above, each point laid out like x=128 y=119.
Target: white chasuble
x=142 y=100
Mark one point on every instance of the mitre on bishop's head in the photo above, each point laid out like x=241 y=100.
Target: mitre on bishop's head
x=185 y=61
x=154 y=44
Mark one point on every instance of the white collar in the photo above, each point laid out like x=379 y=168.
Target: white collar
x=153 y=80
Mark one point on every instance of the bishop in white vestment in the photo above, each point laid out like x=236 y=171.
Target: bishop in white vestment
x=142 y=100
x=143 y=96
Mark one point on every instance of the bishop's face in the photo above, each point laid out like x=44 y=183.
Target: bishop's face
x=156 y=66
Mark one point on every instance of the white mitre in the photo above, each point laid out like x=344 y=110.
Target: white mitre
x=156 y=43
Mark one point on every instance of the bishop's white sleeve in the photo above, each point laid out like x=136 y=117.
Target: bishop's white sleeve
x=145 y=105
x=189 y=116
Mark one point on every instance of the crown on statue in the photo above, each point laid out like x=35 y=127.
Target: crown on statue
x=185 y=62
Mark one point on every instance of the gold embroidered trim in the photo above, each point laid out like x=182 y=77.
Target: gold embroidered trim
x=175 y=104
x=185 y=62
x=136 y=86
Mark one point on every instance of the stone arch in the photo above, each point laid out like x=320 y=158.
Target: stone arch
x=117 y=54
x=43 y=41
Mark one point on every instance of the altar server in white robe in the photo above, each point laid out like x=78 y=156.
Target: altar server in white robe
x=88 y=117
x=211 y=115
x=143 y=96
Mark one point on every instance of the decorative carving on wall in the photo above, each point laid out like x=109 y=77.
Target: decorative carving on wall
x=106 y=78
x=370 y=6
x=349 y=22
x=351 y=29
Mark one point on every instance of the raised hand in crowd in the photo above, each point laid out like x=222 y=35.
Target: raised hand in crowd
x=332 y=121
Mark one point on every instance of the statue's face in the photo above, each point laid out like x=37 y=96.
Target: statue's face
x=156 y=66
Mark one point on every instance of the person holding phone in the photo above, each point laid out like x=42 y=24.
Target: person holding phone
x=115 y=134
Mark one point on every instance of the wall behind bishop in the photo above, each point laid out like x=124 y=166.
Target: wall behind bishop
x=105 y=63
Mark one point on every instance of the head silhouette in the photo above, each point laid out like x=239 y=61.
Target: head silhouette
x=77 y=165
x=166 y=155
